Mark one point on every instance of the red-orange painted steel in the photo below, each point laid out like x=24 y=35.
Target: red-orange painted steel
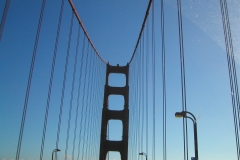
x=84 y=30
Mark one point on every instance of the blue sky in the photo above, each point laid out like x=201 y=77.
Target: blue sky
x=114 y=27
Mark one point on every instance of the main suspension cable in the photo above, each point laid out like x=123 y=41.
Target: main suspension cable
x=84 y=30
x=141 y=31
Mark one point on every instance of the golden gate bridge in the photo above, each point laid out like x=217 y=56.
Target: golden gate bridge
x=72 y=111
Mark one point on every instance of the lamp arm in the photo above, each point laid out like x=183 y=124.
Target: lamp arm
x=191 y=115
x=193 y=120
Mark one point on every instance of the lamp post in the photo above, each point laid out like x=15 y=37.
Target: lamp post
x=145 y=154
x=183 y=114
x=55 y=150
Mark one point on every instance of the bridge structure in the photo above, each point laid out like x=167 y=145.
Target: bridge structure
x=70 y=101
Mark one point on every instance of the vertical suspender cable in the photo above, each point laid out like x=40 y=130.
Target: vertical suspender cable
x=141 y=93
x=51 y=79
x=163 y=82
x=93 y=111
x=4 y=16
x=89 y=100
x=138 y=105
x=132 y=91
x=136 y=137
x=81 y=117
x=83 y=102
x=95 y=105
x=153 y=78
x=63 y=88
x=134 y=107
x=29 y=81
x=231 y=71
x=143 y=104
x=236 y=93
x=147 y=74
x=70 y=109
x=95 y=127
x=77 y=108
x=184 y=107
x=130 y=121
x=101 y=73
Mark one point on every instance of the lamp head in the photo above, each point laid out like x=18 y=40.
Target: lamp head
x=141 y=153
x=180 y=114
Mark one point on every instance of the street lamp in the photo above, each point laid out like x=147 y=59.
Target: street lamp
x=183 y=114
x=144 y=154
x=55 y=150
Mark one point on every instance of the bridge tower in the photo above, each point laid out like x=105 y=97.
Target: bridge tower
x=123 y=115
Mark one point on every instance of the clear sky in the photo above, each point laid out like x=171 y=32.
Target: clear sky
x=114 y=27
